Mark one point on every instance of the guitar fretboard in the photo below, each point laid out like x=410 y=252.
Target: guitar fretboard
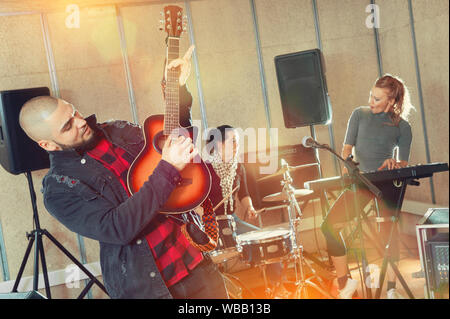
x=172 y=113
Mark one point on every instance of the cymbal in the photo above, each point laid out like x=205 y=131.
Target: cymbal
x=282 y=196
x=291 y=169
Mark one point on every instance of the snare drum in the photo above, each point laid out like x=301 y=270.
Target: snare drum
x=265 y=246
x=227 y=246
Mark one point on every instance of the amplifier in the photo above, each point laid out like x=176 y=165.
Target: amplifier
x=294 y=155
x=437 y=261
x=432 y=241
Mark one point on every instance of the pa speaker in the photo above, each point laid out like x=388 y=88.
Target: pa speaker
x=303 y=89
x=18 y=153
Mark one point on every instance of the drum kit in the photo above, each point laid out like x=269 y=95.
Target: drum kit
x=272 y=244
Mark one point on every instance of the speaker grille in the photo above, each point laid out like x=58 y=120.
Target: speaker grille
x=18 y=153
x=302 y=88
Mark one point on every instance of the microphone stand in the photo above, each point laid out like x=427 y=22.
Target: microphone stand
x=355 y=176
x=301 y=283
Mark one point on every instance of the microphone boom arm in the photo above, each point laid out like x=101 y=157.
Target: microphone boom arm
x=353 y=171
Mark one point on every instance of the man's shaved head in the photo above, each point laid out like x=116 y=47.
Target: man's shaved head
x=34 y=114
x=55 y=124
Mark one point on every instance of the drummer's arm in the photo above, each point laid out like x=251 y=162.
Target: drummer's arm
x=249 y=210
x=244 y=196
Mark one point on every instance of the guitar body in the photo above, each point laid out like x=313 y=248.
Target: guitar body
x=196 y=178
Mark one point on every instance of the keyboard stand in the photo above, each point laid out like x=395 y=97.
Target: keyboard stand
x=387 y=252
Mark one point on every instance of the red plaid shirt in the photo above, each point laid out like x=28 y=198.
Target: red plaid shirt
x=173 y=253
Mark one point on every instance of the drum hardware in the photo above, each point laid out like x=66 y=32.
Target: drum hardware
x=259 y=211
x=227 y=246
x=299 y=260
x=283 y=169
x=266 y=246
x=266 y=209
x=278 y=197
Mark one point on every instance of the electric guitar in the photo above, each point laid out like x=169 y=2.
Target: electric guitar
x=196 y=178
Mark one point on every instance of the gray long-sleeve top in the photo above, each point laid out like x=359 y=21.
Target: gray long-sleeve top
x=374 y=137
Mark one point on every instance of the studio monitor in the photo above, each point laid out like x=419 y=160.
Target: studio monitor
x=303 y=89
x=18 y=153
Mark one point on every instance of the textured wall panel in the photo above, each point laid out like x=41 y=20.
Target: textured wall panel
x=147 y=52
x=431 y=25
x=228 y=63
x=350 y=58
x=23 y=64
x=285 y=26
x=398 y=56
x=89 y=63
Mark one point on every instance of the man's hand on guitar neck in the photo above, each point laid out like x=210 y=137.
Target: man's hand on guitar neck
x=178 y=151
x=184 y=64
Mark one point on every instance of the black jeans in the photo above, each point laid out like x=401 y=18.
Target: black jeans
x=203 y=282
x=343 y=209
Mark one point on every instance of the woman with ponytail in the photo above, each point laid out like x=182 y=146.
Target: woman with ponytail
x=373 y=134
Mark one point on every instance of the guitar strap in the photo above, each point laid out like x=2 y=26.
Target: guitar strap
x=206 y=239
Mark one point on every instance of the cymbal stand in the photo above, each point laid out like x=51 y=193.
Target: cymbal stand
x=301 y=283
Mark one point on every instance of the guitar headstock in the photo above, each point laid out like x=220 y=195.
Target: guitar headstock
x=173 y=21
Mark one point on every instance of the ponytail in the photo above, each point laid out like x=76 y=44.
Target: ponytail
x=400 y=93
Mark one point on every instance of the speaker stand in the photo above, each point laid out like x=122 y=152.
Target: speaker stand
x=35 y=237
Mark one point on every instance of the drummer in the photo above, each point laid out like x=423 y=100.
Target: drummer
x=227 y=173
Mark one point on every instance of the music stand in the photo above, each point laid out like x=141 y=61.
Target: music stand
x=35 y=237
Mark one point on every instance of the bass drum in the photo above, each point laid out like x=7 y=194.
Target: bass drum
x=265 y=246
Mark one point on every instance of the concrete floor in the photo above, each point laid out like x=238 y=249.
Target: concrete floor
x=249 y=280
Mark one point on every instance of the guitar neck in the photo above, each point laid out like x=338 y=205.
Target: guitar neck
x=172 y=111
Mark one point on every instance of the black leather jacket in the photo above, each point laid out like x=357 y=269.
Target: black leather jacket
x=89 y=200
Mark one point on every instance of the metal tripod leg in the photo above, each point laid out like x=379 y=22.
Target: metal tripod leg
x=304 y=283
x=24 y=262
x=40 y=248
x=267 y=289
x=92 y=278
x=35 y=237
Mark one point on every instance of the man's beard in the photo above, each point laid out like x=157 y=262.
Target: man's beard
x=84 y=146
